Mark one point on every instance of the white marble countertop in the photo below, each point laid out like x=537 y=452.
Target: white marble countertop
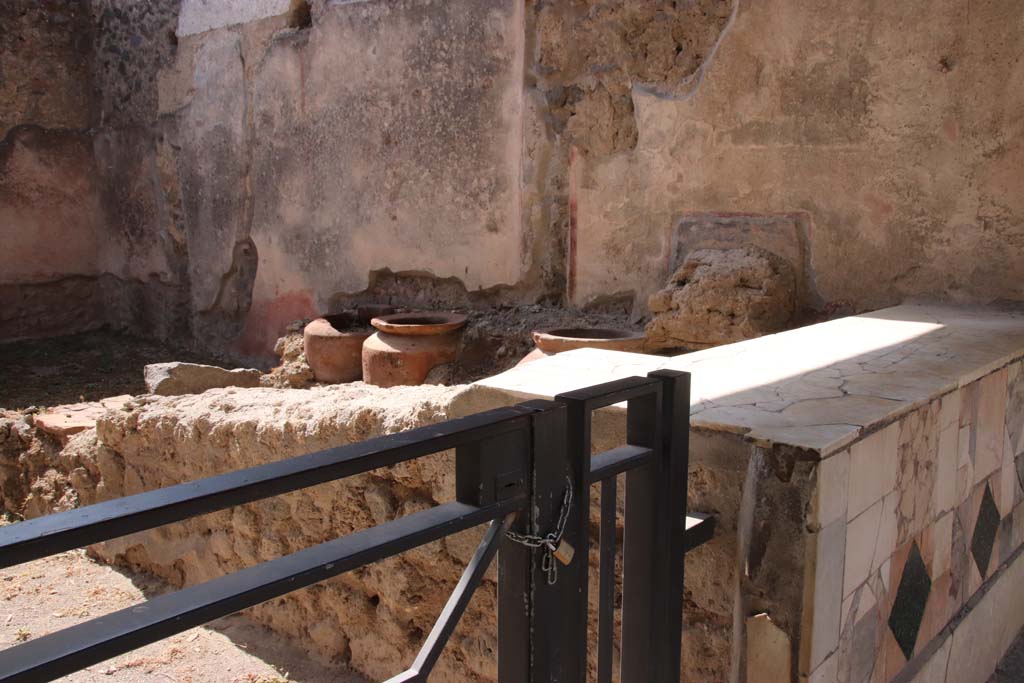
x=817 y=387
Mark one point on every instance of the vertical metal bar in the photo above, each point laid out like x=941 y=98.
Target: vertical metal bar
x=644 y=490
x=606 y=602
x=569 y=619
x=538 y=635
x=669 y=573
x=514 y=607
x=516 y=562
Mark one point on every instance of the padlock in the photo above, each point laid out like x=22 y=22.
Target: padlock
x=564 y=552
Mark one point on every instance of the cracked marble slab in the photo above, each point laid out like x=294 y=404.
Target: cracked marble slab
x=818 y=387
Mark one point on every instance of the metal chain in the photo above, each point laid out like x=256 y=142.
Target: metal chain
x=550 y=541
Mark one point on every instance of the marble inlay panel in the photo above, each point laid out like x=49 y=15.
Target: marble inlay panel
x=832 y=488
x=967 y=513
x=890 y=656
x=874 y=469
x=968 y=421
x=937 y=610
x=1004 y=545
x=934 y=670
x=942 y=544
x=864 y=646
x=918 y=457
x=1008 y=493
x=861 y=538
x=959 y=561
x=944 y=494
x=987 y=630
x=964 y=482
x=827 y=672
x=965 y=452
x=888 y=531
x=991 y=424
x=1015 y=407
x=1018 y=525
x=830 y=545
x=1019 y=461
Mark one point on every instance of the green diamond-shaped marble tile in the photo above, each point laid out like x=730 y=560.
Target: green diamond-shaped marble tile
x=985 y=531
x=911 y=598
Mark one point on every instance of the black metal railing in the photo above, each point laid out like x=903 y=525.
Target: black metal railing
x=525 y=469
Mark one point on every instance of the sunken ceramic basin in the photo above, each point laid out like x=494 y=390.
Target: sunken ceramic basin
x=550 y=342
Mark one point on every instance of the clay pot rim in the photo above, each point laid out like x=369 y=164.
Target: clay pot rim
x=595 y=334
x=419 y=324
x=322 y=327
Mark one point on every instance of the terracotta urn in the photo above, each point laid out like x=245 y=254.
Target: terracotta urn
x=550 y=342
x=333 y=346
x=408 y=346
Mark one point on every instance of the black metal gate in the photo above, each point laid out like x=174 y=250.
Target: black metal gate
x=525 y=469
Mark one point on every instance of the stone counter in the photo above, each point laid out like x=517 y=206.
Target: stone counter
x=866 y=473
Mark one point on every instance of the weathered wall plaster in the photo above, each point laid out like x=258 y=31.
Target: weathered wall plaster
x=302 y=153
x=896 y=130
x=203 y=15
x=81 y=211
x=50 y=217
x=236 y=166
x=424 y=173
x=240 y=165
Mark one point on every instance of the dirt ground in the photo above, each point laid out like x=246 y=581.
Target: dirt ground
x=47 y=595
x=80 y=367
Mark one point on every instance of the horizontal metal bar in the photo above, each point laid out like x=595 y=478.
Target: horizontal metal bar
x=699 y=530
x=617 y=460
x=35 y=538
x=71 y=649
x=610 y=393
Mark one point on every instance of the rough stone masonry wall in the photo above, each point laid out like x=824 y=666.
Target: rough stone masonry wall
x=373 y=619
x=878 y=146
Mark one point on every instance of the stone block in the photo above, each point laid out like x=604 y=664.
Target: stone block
x=173 y=379
x=720 y=296
x=874 y=467
x=830 y=497
x=827 y=557
x=65 y=421
x=783 y=235
x=769 y=651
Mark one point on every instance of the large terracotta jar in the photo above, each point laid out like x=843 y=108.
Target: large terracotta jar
x=550 y=342
x=408 y=346
x=334 y=347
